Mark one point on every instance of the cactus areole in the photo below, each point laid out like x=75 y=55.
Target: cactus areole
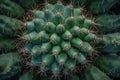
x=59 y=38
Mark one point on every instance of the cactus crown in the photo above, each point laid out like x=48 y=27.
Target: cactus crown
x=58 y=41
x=58 y=37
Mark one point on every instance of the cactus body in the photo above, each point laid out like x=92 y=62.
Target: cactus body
x=108 y=23
x=62 y=39
x=28 y=3
x=7 y=44
x=9 y=65
x=90 y=74
x=110 y=43
x=109 y=64
x=80 y=2
x=27 y=76
x=7 y=28
x=102 y=6
x=11 y=9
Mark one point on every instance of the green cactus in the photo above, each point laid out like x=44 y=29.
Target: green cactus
x=59 y=38
x=27 y=76
x=11 y=9
x=9 y=65
x=109 y=64
x=28 y=4
x=93 y=73
x=10 y=26
x=109 y=23
x=4 y=45
x=110 y=43
x=95 y=6
x=80 y=2
x=61 y=42
x=102 y=6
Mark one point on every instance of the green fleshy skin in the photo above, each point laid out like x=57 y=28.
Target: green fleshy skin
x=60 y=36
x=11 y=9
x=27 y=76
x=78 y=3
x=110 y=43
x=93 y=73
x=10 y=29
x=10 y=65
x=108 y=23
x=109 y=64
x=101 y=6
x=28 y=4
x=73 y=77
x=7 y=44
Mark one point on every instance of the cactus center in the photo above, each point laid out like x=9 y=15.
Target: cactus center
x=59 y=38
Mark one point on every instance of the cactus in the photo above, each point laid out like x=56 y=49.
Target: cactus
x=110 y=43
x=27 y=76
x=102 y=6
x=93 y=73
x=9 y=65
x=109 y=64
x=109 y=23
x=11 y=9
x=95 y=6
x=4 y=45
x=10 y=29
x=58 y=38
x=61 y=42
x=80 y=2
x=28 y=4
